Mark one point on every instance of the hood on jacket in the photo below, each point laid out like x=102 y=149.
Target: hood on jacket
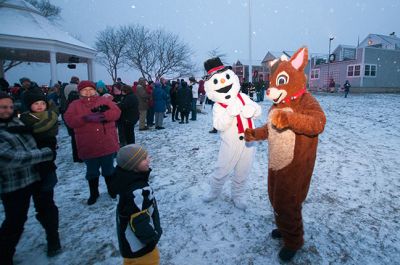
x=124 y=180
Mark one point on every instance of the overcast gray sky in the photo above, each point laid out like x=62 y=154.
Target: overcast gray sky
x=223 y=24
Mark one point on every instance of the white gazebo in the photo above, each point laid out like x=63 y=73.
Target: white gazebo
x=25 y=35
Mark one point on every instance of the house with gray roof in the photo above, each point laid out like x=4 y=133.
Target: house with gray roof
x=373 y=65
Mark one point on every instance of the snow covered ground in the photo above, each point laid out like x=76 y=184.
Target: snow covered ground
x=351 y=215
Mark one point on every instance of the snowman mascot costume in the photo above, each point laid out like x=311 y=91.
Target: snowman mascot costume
x=233 y=113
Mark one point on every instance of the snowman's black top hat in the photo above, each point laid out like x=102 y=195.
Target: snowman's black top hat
x=213 y=66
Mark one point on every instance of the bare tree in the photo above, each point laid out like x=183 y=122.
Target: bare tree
x=217 y=53
x=111 y=44
x=138 y=50
x=48 y=10
x=157 y=53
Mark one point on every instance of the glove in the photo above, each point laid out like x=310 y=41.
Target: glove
x=280 y=119
x=20 y=129
x=101 y=108
x=95 y=117
x=234 y=107
x=248 y=111
x=249 y=135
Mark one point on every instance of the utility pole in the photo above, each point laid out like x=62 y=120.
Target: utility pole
x=329 y=57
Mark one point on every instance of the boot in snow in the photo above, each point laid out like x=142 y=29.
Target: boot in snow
x=286 y=254
x=276 y=234
x=94 y=191
x=237 y=195
x=215 y=190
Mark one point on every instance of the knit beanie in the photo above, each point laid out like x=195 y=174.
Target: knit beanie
x=86 y=83
x=100 y=84
x=24 y=79
x=33 y=95
x=5 y=95
x=130 y=156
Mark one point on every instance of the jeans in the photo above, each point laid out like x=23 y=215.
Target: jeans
x=93 y=165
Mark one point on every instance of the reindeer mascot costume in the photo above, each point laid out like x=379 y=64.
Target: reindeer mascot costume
x=294 y=122
x=233 y=113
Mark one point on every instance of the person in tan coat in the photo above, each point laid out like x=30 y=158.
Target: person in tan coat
x=143 y=98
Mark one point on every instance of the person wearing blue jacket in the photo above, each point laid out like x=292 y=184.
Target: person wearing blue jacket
x=160 y=105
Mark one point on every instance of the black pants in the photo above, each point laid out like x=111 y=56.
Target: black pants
x=185 y=115
x=16 y=206
x=73 y=145
x=175 y=112
x=126 y=133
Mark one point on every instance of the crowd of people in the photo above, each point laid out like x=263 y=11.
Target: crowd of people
x=100 y=120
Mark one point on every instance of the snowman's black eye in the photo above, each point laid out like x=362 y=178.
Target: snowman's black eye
x=215 y=81
x=228 y=76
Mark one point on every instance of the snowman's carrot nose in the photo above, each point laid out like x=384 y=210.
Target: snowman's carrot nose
x=222 y=80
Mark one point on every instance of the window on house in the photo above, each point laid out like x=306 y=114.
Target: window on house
x=315 y=74
x=353 y=70
x=370 y=70
x=350 y=70
x=357 y=70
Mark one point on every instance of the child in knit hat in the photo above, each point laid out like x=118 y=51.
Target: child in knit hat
x=138 y=221
x=42 y=122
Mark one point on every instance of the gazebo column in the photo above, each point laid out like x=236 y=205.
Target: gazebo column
x=1 y=68
x=90 y=69
x=53 y=68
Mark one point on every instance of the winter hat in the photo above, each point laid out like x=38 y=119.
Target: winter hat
x=74 y=80
x=130 y=156
x=24 y=79
x=213 y=66
x=86 y=83
x=5 y=95
x=100 y=84
x=33 y=95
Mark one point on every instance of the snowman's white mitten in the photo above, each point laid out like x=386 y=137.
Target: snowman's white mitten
x=234 y=107
x=248 y=111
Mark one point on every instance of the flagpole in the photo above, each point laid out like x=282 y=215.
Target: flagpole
x=250 y=59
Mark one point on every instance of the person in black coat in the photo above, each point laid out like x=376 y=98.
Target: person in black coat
x=174 y=100
x=184 y=97
x=129 y=106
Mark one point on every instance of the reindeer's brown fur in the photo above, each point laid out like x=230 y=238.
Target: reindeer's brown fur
x=292 y=131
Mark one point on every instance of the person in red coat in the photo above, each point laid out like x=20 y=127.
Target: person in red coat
x=93 y=120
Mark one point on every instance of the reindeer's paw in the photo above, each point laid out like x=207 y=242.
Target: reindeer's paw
x=280 y=119
x=250 y=135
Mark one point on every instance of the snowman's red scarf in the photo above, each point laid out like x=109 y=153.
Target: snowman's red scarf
x=238 y=118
